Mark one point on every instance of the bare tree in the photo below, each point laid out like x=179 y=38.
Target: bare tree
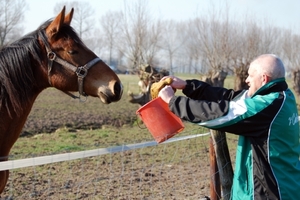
x=212 y=38
x=110 y=23
x=192 y=50
x=246 y=44
x=251 y=39
x=152 y=44
x=291 y=49
x=139 y=37
x=174 y=38
x=11 y=16
x=96 y=42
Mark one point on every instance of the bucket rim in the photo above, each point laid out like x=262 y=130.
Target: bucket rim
x=144 y=106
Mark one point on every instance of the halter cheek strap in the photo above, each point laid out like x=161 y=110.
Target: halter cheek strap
x=81 y=71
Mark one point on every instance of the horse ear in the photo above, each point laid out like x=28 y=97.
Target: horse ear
x=69 y=17
x=55 y=25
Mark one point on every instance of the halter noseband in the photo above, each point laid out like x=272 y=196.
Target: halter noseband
x=81 y=71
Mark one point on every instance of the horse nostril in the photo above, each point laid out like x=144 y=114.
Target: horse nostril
x=118 y=90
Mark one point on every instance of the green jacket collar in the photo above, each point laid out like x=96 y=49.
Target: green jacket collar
x=273 y=86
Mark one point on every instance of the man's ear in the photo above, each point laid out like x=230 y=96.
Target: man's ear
x=266 y=78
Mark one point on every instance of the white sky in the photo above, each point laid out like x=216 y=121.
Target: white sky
x=281 y=13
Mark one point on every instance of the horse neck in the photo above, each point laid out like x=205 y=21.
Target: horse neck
x=11 y=125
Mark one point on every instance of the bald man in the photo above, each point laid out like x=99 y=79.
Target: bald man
x=266 y=119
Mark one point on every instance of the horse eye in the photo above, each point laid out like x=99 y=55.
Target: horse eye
x=72 y=52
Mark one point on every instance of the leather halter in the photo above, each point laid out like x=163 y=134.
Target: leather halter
x=81 y=71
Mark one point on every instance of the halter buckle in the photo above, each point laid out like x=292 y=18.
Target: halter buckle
x=81 y=72
x=51 y=55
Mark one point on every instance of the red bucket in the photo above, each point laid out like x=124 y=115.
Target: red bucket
x=160 y=121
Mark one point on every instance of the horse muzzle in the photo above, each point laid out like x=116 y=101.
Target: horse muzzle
x=108 y=96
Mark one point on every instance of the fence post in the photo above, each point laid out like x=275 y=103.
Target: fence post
x=215 y=188
x=223 y=162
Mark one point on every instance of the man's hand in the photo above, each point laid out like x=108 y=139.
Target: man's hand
x=156 y=87
x=177 y=83
x=166 y=93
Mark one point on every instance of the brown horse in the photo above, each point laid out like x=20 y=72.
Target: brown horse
x=51 y=56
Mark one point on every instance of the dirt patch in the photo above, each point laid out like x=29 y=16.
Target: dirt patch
x=133 y=174
x=54 y=109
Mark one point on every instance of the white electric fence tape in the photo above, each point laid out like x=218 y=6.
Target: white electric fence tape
x=27 y=162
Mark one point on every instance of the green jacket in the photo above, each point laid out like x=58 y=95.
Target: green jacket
x=267 y=157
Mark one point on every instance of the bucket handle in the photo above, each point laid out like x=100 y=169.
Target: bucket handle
x=138 y=121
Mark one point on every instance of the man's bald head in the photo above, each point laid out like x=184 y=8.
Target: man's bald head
x=269 y=64
x=263 y=69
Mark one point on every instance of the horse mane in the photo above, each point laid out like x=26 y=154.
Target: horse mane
x=16 y=72
x=16 y=75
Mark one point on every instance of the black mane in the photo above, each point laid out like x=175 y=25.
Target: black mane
x=16 y=75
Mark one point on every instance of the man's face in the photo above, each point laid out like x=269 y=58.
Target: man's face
x=254 y=80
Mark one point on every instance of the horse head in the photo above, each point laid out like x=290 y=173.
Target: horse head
x=72 y=66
